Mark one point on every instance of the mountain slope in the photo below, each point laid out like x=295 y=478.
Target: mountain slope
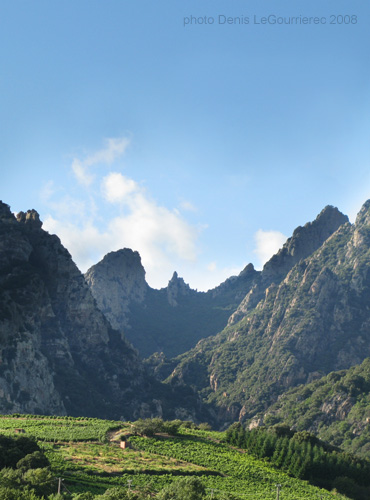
x=304 y=241
x=314 y=321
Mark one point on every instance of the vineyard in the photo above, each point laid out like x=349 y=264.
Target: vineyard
x=86 y=453
x=45 y=428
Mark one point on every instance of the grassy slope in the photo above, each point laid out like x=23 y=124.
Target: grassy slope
x=80 y=454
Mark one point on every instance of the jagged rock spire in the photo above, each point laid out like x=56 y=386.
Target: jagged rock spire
x=31 y=218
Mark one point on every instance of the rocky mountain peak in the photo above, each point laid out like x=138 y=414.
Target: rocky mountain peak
x=363 y=217
x=123 y=262
x=304 y=241
x=59 y=354
x=115 y=281
x=170 y=320
x=361 y=234
x=176 y=286
x=249 y=268
x=30 y=218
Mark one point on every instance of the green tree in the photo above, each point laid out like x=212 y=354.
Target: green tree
x=148 y=426
x=35 y=460
x=87 y=495
x=41 y=480
x=189 y=488
x=116 y=493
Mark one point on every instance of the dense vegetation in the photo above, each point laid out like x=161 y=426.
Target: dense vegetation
x=191 y=464
x=24 y=469
x=304 y=456
x=336 y=408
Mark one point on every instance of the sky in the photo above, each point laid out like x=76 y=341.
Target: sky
x=200 y=133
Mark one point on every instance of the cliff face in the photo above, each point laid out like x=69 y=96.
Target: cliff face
x=58 y=352
x=26 y=380
x=171 y=320
x=115 y=282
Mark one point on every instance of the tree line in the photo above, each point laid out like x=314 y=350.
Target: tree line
x=304 y=456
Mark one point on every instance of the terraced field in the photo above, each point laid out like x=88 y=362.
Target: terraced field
x=86 y=453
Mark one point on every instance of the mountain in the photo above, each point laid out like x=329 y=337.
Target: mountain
x=171 y=320
x=58 y=352
x=308 y=322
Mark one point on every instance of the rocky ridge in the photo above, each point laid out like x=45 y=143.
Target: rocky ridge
x=170 y=320
x=304 y=241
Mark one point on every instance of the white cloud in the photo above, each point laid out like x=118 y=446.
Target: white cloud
x=267 y=244
x=212 y=266
x=155 y=230
x=85 y=242
x=116 y=188
x=115 y=147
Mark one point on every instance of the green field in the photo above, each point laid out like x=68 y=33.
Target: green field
x=86 y=453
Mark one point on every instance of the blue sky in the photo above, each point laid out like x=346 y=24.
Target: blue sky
x=201 y=146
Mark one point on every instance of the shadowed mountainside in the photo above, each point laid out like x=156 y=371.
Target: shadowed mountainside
x=59 y=354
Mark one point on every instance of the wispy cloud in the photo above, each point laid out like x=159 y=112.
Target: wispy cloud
x=212 y=266
x=188 y=206
x=115 y=147
x=267 y=244
x=156 y=230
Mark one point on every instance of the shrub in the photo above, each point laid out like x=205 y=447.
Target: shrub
x=35 y=460
x=189 y=488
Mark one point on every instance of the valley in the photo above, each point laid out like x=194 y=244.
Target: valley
x=288 y=345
